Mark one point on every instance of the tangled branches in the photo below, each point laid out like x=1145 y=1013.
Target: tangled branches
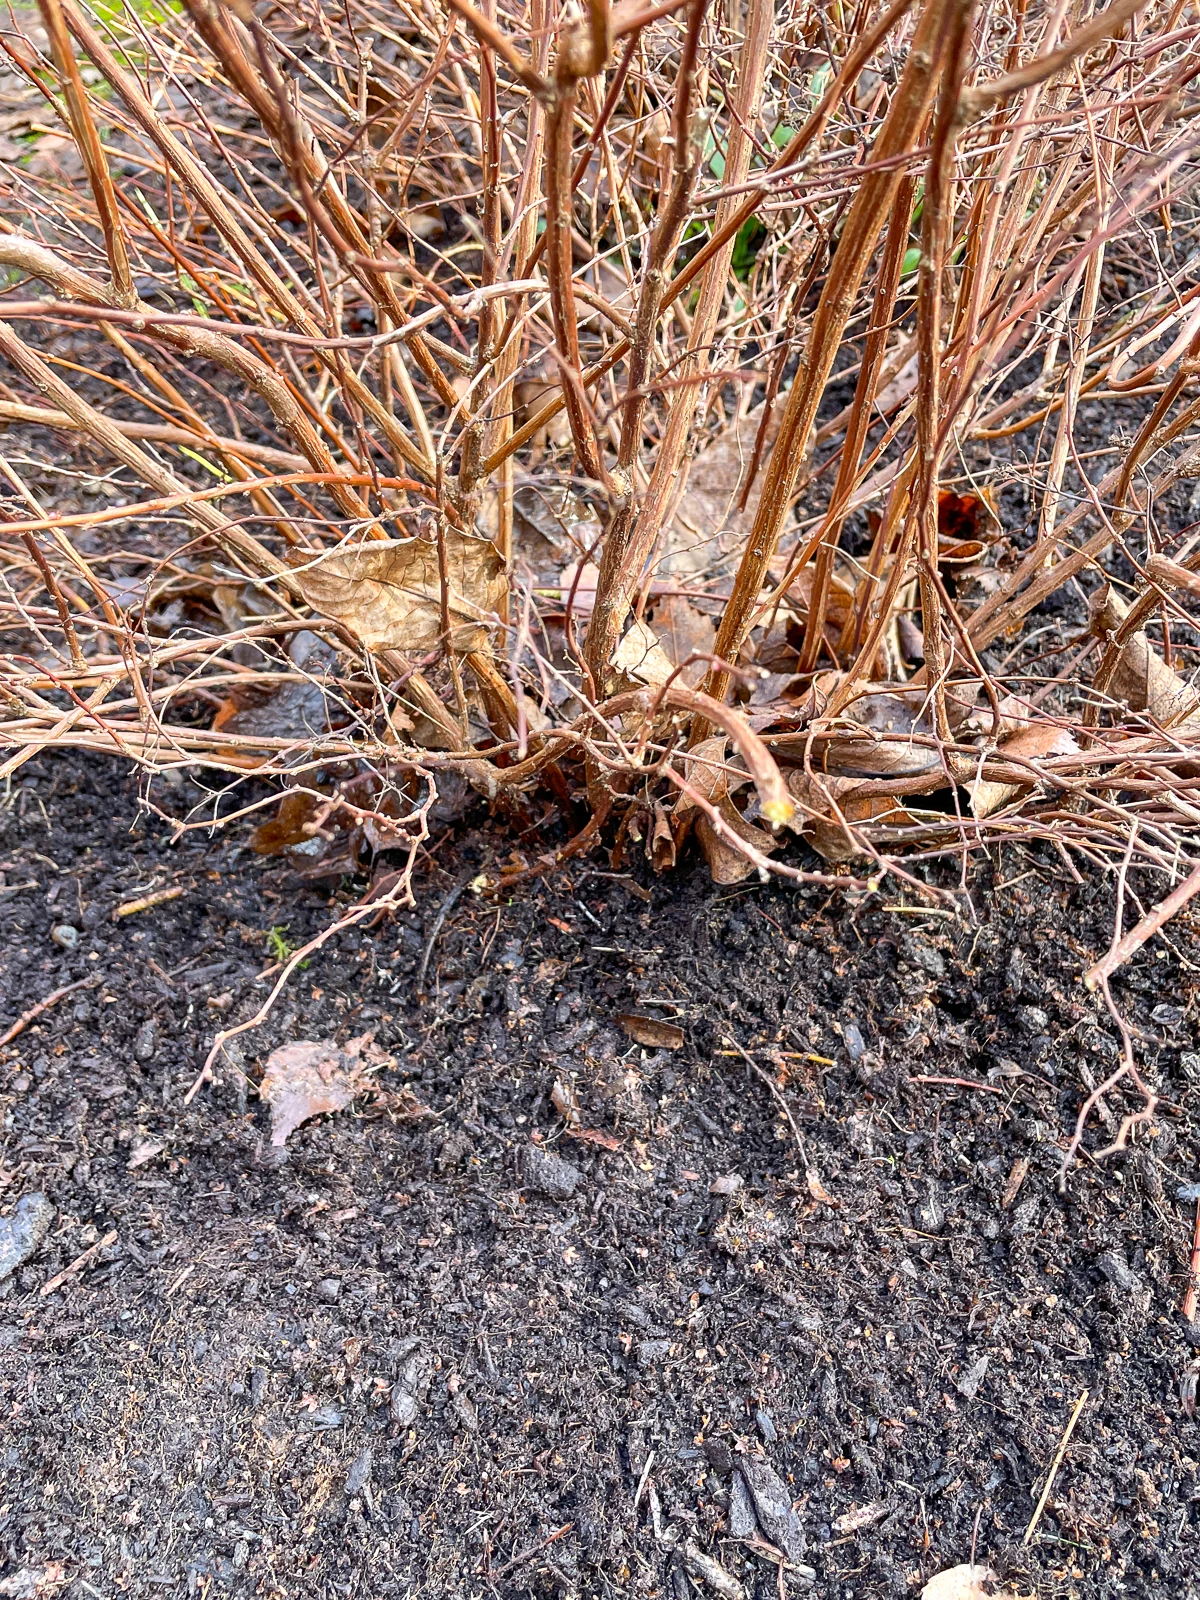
x=616 y=403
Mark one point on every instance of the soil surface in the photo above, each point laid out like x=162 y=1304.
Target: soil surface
x=552 y=1313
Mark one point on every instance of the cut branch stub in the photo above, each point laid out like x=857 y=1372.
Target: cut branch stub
x=389 y=592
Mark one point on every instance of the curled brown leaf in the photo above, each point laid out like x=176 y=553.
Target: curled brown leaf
x=389 y=591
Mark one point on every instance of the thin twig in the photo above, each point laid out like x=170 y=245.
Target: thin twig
x=34 y=1012
x=1054 y=1466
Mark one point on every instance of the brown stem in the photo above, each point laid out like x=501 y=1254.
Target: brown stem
x=560 y=124
x=620 y=565
x=87 y=141
x=859 y=424
x=872 y=202
x=935 y=229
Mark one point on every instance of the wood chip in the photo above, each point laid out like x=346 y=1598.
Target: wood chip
x=650 y=1032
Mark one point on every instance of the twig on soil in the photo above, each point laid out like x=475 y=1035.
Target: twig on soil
x=366 y=907
x=444 y=910
x=85 y=1260
x=533 y=1550
x=1127 y=1068
x=711 y=1572
x=1146 y=929
x=1192 y=1293
x=147 y=901
x=958 y=1083
x=642 y=1482
x=34 y=1012
x=778 y=1095
x=1054 y=1466
x=1016 y=1177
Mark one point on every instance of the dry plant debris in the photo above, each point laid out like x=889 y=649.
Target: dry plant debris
x=968 y=1582
x=309 y=1079
x=482 y=400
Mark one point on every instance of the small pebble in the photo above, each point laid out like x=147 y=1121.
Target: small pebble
x=145 y=1041
x=1116 y=1269
x=550 y=1174
x=23 y=1232
x=766 y=1426
x=1188 y=1193
x=65 y=935
x=403 y=1406
x=968 y=1383
x=729 y=1183
x=329 y=1289
x=651 y=1350
x=360 y=1471
x=853 y=1040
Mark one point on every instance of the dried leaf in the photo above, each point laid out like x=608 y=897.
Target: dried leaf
x=144 y=1152
x=838 y=606
x=286 y=828
x=564 y=1099
x=963 y=519
x=707 y=515
x=816 y=821
x=965 y=1583
x=892 y=712
x=606 y=1141
x=662 y=840
x=898 y=390
x=817 y=1189
x=727 y=863
x=389 y=591
x=308 y=1079
x=863 y=1517
x=650 y=1032
x=710 y=774
x=1033 y=742
x=1142 y=679
x=300 y=711
x=640 y=659
x=685 y=631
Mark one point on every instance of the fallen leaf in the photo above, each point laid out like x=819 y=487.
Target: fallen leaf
x=862 y=1517
x=684 y=631
x=726 y=862
x=1142 y=679
x=1034 y=742
x=389 y=591
x=286 y=827
x=963 y=519
x=901 y=386
x=650 y=1032
x=815 y=819
x=606 y=1141
x=640 y=659
x=709 y=774
x=145 y=1152
x=300 y=711
x=817 y=1189
x=967 y=1582
x=565 y=1101
x=662 y=840
x=307 y=1079
x=707 y=518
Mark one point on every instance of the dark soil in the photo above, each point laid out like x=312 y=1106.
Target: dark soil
x=393 y=1365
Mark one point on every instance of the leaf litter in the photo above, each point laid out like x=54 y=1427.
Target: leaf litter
x=310 y=1078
